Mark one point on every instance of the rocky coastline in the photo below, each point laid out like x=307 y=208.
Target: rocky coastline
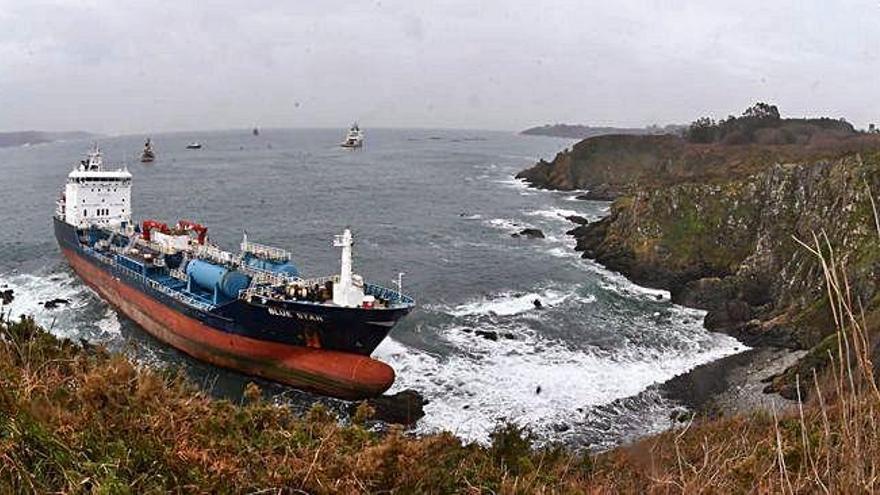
x=727 y=239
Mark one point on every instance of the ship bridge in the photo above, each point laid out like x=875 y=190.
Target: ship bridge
x=94 y=196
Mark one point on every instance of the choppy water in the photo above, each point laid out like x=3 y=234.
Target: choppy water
x=438 y=205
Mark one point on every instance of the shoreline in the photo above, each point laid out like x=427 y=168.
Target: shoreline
x=733 y=384
x=729 y=385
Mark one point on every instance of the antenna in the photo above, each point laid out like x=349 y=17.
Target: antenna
x=399 y=282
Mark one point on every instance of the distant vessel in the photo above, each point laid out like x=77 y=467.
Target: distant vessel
x=249 y=311
x=195 y=145
x=355 y=137
x=256 y=131
x=148 y=155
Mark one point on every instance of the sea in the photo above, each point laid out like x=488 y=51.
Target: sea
x=438 y=206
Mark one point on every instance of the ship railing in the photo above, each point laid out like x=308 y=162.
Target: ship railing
x=310 y=282
x=152 y=283
x=178 y=274
x=213 y=253
x=263 y=277
x=265 y=251
x=392 y=296
x=161 y=247
x=266 y=292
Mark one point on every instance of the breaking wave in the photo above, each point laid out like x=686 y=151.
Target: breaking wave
x=513 y=303
x=529 y=380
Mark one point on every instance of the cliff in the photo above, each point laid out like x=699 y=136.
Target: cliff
x=608 y=166
x=732 y=248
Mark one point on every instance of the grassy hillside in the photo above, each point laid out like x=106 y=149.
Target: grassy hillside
x=710 y=152
x=84 y=421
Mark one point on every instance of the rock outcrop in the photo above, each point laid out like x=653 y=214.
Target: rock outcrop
x=734 y=249
x=529 y=233
x=405 y=407
x=609 y=166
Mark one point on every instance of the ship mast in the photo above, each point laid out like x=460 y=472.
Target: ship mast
x=344 y=292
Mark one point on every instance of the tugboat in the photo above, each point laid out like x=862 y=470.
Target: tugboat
x=355 y=137
x=147 y=156
x=195 y=145
x=250 y=311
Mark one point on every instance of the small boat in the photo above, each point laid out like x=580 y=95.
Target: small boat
x=256 y=131
x=355 y=137
x=195 y=145
x=148 y=155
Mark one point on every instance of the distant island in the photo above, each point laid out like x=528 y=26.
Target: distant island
x=578 y=131
x=20 y=138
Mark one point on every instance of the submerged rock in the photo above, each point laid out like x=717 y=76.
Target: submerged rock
x=54 y=303
x=577 y=219
x=529 y=233
x=487 y=334
x=6 y=296
x=404 y=408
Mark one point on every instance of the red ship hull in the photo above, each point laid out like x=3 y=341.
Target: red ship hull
x=338 y=374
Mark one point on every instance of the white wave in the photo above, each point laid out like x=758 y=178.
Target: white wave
x=515 y=183
x=617 y=283
x=489 y=382
x=506 y=224
x=563 y=252
x=554 y=213
x=32 y=291
x=513 y=303
x=109 y=325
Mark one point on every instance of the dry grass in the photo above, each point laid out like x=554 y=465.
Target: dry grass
x=74 y=420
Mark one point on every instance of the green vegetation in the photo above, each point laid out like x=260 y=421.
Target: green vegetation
x=762 y=124
x=709 y=152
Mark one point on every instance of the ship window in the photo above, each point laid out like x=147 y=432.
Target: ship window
x=85 y=213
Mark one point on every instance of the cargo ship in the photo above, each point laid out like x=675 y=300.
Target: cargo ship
x=249 y=311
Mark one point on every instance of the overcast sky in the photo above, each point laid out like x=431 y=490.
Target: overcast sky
x=129 y=67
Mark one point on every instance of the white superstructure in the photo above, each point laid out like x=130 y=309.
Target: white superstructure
x=349 y=290
x=94 y=196
x=355 y=137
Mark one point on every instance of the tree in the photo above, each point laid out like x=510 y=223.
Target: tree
x=762 y=111
x=702 y=130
